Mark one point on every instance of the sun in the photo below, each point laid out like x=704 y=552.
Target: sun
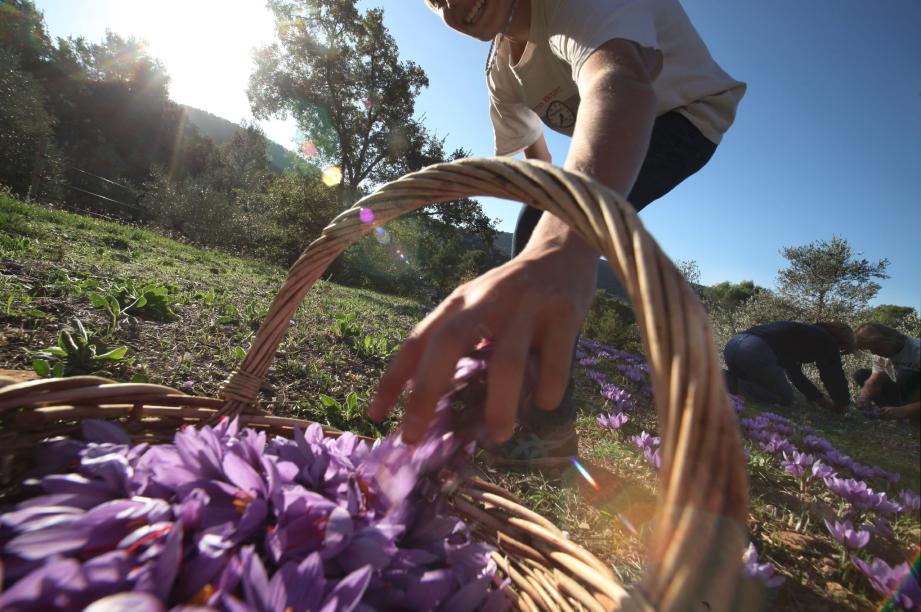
x=206 y=46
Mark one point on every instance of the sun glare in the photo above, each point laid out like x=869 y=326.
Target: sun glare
x=205 y=45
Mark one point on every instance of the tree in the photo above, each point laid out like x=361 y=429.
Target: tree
x=729 y=296
x=338 y=73
x=902 y=318
x=25 y=125
x=825 y=280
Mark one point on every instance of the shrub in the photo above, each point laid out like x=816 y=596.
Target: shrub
x=611 y=321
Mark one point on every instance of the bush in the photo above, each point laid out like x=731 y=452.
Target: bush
x=611 y=321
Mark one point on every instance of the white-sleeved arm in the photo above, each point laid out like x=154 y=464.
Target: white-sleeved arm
x=579 y=27
x=515 y=126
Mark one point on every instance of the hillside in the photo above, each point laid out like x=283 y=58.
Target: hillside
x=56 y=267
x=221 y=131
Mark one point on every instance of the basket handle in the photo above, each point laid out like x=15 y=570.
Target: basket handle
x=699 y=529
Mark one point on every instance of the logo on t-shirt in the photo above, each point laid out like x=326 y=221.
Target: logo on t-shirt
x=559 y=116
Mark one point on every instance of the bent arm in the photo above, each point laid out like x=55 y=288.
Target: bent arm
x=872 y=386
x=611 y=136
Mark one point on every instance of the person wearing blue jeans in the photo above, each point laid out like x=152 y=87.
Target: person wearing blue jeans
x=764 y=360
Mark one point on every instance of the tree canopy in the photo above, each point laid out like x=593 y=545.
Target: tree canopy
x=825 y=279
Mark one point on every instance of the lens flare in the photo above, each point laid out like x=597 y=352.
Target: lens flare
x=309 y=149
x=382 y=235
x=332 y=176
x=366 y=215
x=585 y=473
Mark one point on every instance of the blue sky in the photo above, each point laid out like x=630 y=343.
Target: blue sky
x=827 y=139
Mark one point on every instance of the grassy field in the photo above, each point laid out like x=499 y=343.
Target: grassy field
x=56 y=267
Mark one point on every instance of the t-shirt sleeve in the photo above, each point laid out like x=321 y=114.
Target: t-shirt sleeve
x=579 y=27
x=514 y=125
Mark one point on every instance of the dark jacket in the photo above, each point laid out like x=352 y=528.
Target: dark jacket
x=797 y=343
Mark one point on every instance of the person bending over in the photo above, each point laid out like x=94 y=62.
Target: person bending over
x=761 y=359
x=645 y=104
x=894 y=383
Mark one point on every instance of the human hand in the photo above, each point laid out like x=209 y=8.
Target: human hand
x=535 y=303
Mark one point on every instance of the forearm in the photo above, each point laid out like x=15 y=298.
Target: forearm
x=609 y=144
x=871 y=387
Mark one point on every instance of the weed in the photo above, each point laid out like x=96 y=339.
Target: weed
x=74 y=354
x=150 y=302
x=345 y=328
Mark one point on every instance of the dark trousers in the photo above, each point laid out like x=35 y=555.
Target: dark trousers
x=892 y=392
x=677 y=150
x=760 y=376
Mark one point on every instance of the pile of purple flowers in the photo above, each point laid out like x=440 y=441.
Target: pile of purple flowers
x=227 y=518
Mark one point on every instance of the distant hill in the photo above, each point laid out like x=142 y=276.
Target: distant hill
x=221 y=131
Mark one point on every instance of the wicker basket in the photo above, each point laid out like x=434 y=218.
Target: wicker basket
x=694 y=553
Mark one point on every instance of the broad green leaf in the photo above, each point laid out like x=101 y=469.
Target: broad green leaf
x=41 y=367
x=113 y=355
x=329 y=402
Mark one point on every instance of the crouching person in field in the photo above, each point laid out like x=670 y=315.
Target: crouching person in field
x=762 y=362
x=894 y=383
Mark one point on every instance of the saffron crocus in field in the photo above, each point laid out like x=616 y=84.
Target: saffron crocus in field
x=837 y=459
x=776 y=445
x=737 y=402
x=845 y=534
x=910 y=501
x=597 y=377
x=636 y=373
x=612 y=421
x=797 y=463
x=588 y=362
x=653 y=456
x=645 y=439
x=822 y=471
x=817 y=443
x=898 y=582
x=618 y=396
x=760 y=571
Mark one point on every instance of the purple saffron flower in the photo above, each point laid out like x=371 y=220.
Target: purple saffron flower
x=822 y=471
x=632 y=372
x=845 y=534
x=612 y=421
x=188 y=384
x=777 y=444
x=837 y=459
x=737 y=402
x=797 y=463
x=817 y=443
x=897 y=582
x=761 y=571
x=910 y=501
x=588 y=362
x=645 y=439
x=620 y=397
x=653 y=456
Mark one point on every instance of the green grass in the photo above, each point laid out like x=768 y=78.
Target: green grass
x=54 y=260
x=51 y=262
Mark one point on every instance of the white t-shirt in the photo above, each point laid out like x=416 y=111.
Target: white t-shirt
x=908 y=359
x=541 y=87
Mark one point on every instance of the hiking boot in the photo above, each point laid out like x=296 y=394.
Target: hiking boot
x=527 y=449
